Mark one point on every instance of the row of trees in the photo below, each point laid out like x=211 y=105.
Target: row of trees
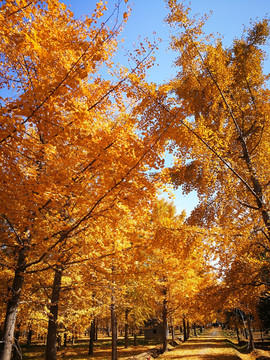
x=82 y=231
x=71 y=153
x=221 y=134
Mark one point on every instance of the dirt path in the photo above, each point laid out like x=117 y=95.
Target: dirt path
x=211 y=345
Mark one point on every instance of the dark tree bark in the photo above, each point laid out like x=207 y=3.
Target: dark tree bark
x=65 y=339
x=164 y=326
x=96 y=328
x=126 y=328
x=188 y=330
x=184 y=329
x=114 y=330
x=237 y=333
x=251 y=345
x=108 y=331
x=173 y=333
x=29 y=337
x=92 y=337
x=194 y=328
x=51 y=347
x=12 y=306
x=134 y=338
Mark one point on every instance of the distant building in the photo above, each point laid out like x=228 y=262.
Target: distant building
x=152 y=329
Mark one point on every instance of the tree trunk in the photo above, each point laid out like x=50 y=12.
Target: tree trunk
x=251 y=345
x=29 y=337
x=108 y=331
x=12 y=306
x=237 y=332
x=135 y=339
x=92 y=337
x=114 y=330
x=188 y=330
x=184 y=329
x=126 y=328
x=65 y=339
x=51 y=347
x=261 y=332
x=173 y=333
x=194 y=327
x=164 y=326
x=96 y=328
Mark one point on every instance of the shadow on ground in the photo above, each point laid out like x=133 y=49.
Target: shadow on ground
x=207 y=357
x=202 y=343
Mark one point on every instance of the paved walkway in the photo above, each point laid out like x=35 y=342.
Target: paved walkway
x=211 y=345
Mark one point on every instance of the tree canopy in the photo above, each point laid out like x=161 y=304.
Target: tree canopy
x=82 y=144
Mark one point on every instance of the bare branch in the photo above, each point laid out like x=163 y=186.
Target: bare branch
x=13 y=229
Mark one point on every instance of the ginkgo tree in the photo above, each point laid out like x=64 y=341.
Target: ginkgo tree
x=221 y=136
x=215 y=118
x=31 y=122
x=178 y=265
x=69 y=150
x=77 y=147
x=100 y=273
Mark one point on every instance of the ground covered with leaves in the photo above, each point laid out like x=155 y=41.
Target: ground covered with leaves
x=79 y=351
x=213 y=345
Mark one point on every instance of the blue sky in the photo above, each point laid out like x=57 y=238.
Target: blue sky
x=228 y=18
x=146 y=20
